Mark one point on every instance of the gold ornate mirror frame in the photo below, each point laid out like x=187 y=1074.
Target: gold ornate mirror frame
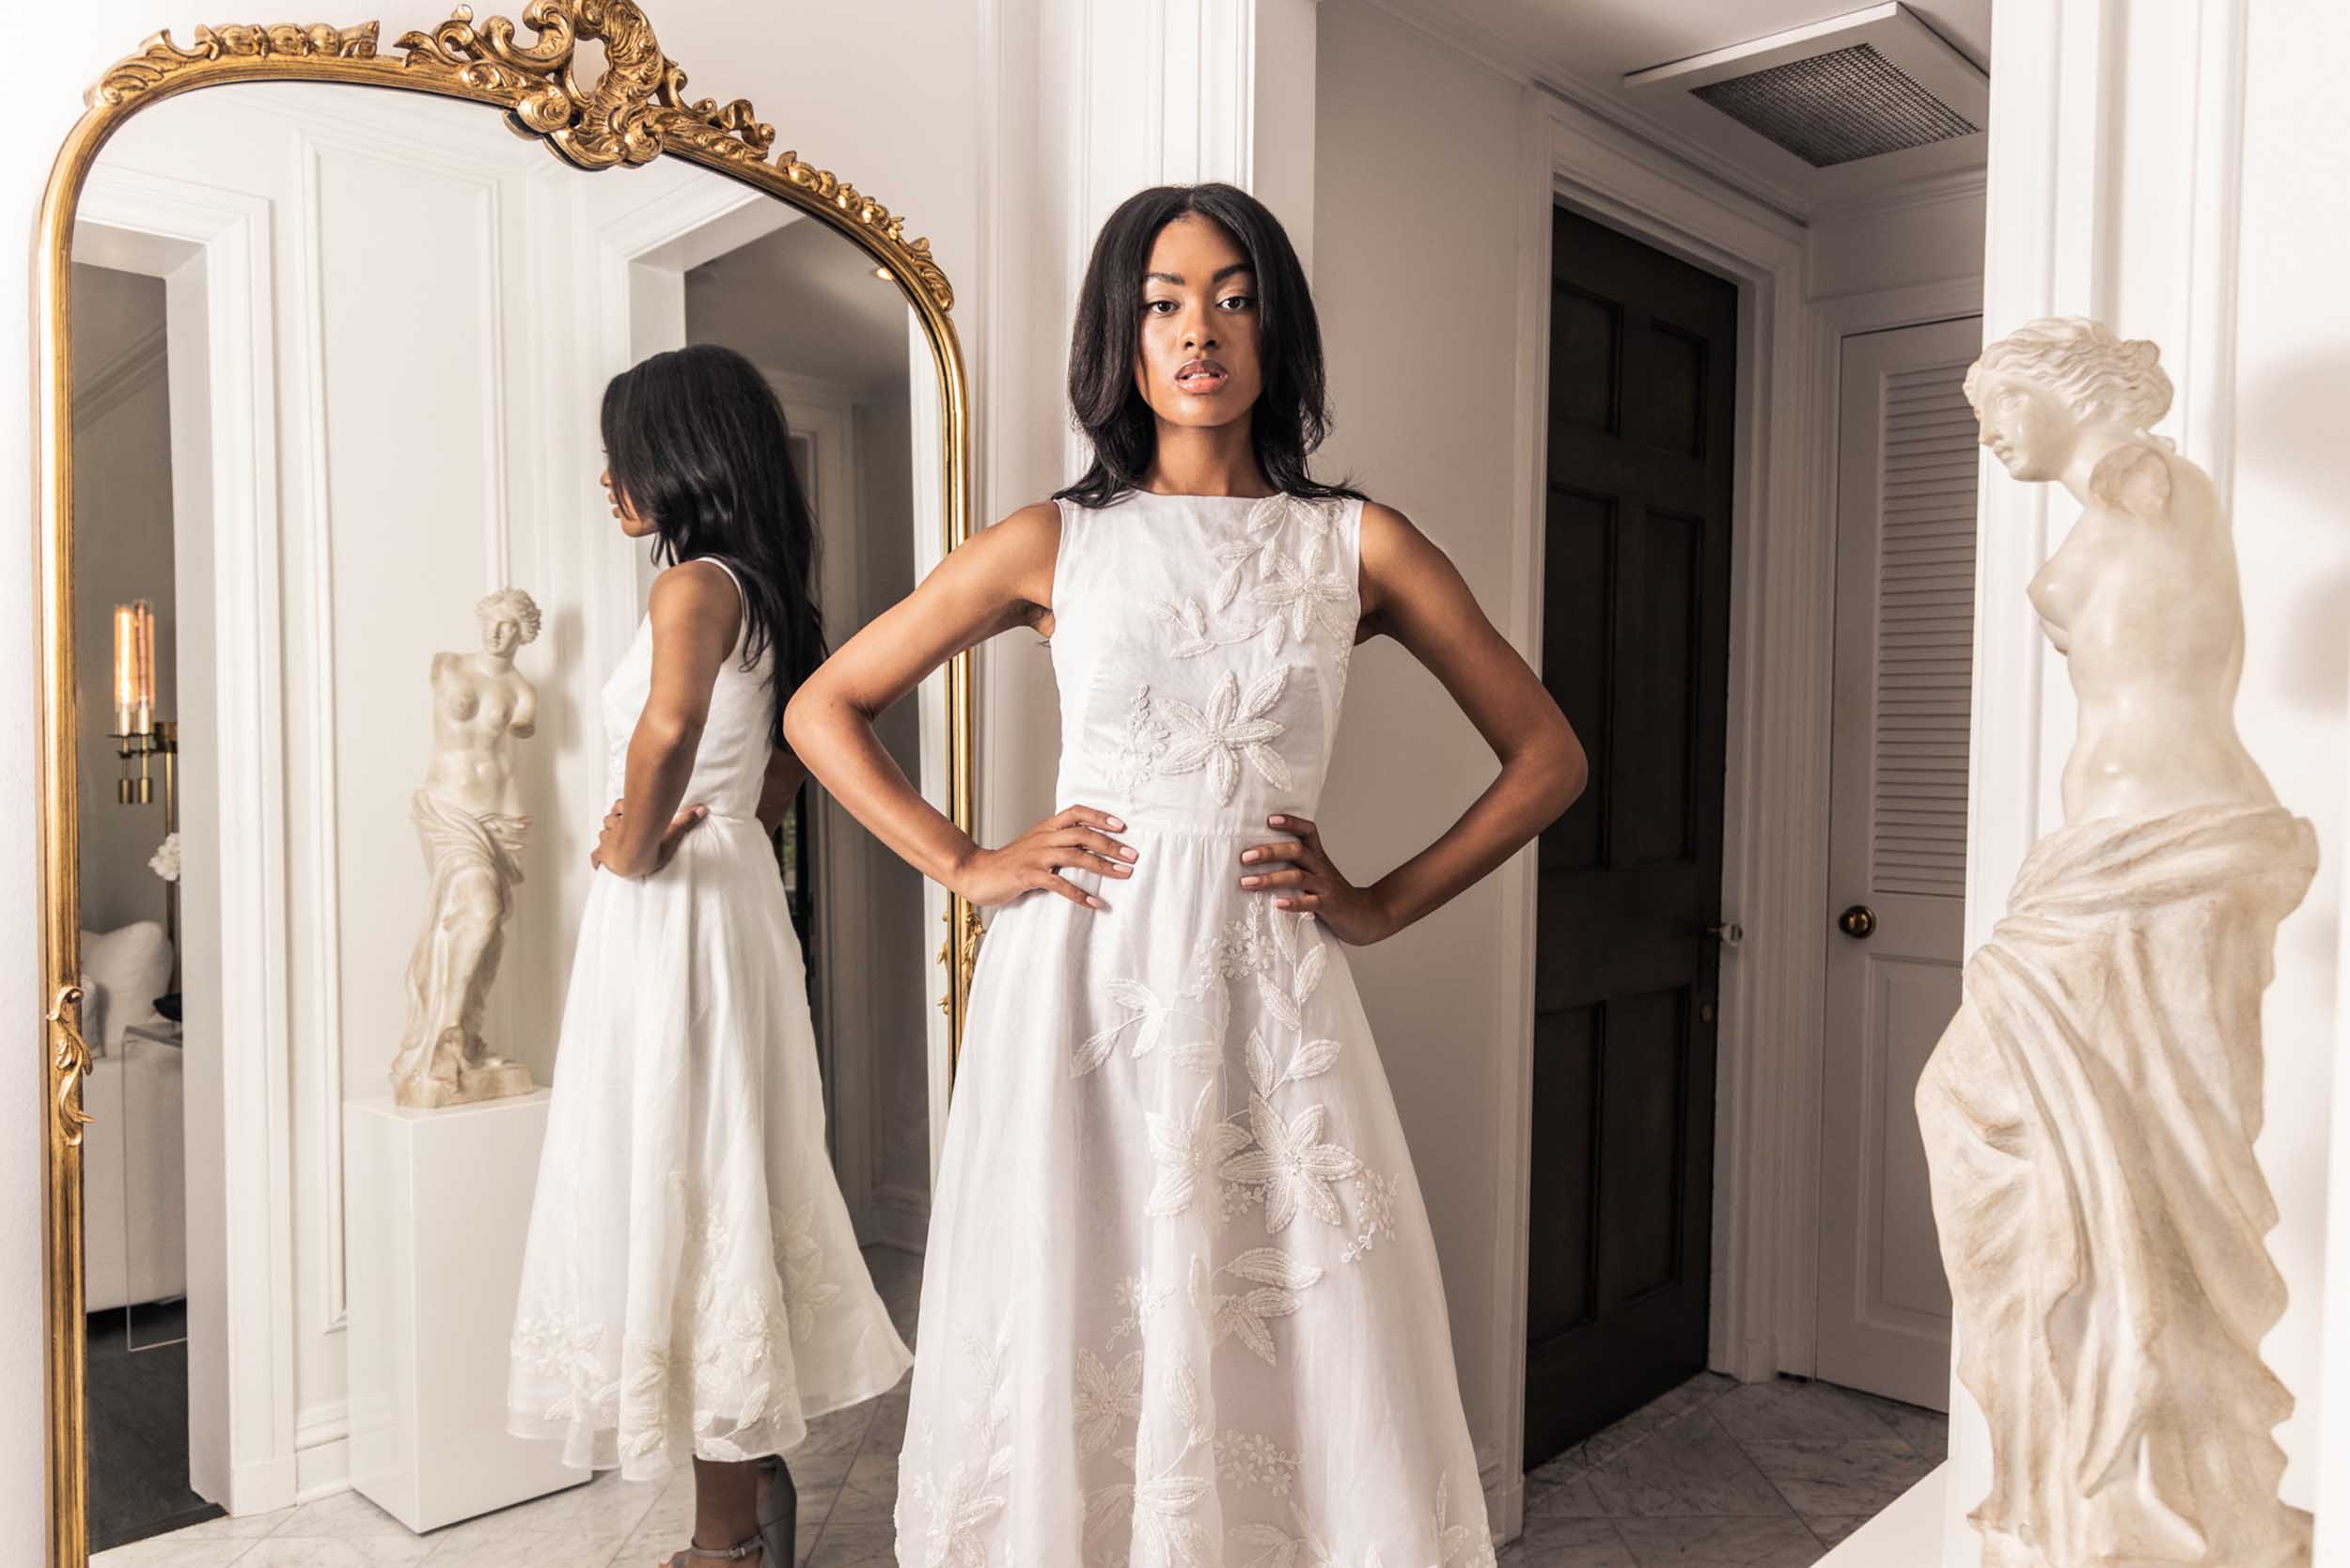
x=635 y=112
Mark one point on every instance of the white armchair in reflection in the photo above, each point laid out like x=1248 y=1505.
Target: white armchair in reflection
x=2090 y=1114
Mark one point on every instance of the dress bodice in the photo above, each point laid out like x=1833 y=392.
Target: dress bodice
x=730 y=763
x=1200 y=644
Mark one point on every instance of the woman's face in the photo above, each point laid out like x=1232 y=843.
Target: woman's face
x=2028 y=428
x=1195 y=356
x=501 y=636
x=631 y=525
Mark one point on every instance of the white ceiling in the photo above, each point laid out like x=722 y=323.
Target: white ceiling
x=1585 y=48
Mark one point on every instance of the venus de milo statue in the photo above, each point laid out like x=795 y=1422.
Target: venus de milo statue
x=2090 y=1114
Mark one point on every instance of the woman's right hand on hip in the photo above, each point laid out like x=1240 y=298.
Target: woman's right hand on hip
x=1077 y=838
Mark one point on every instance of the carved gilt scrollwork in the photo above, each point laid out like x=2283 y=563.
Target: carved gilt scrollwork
x=636 y=110
x=161 y=58
x=69 y=1060
x=963 y=954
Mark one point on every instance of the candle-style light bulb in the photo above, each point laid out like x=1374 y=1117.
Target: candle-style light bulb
x=145 y=696
x=126 y=659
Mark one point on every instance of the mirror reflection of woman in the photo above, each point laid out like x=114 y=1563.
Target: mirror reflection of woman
x=692 y=1288
x=1179 y=1281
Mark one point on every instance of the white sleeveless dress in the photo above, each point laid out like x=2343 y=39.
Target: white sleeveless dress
x=1181 y=1305
x=691 y=1286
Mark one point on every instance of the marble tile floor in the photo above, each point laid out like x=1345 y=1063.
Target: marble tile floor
x=846 y=1473
x=1715 y=1474
x=1719 y=1474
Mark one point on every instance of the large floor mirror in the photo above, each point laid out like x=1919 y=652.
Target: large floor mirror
x=323 y=363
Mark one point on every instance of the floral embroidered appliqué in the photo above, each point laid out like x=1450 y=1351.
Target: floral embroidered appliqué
x=800 y=1262
x=1142 y=742
x=959 y=1508
x=1300 y=589
x=1230 y=728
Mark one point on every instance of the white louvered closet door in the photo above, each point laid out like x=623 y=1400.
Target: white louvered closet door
x=1906 y=473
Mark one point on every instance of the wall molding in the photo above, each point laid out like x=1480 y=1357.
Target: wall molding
x=122 y=378
x=484 y=178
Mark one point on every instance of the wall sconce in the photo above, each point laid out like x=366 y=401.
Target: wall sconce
x=140 y=737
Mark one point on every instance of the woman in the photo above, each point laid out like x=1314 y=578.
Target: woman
x=1180 y=1282
x=691 y=1285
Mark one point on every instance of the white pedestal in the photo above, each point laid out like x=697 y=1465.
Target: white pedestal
x=436 y=1205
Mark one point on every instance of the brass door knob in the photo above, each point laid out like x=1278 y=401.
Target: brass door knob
x=1860 y=920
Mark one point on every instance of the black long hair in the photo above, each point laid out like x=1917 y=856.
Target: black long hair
x=697 y=445
x=1292 y=412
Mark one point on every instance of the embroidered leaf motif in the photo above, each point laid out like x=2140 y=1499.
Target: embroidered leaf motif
x=1200 y=1056
x=1277 y=1002
x=1263 y=1071
x=1184 y=1383
x=1284 y=929
x=1464 y=1542
x=1143 y=1007
x=1270 y=1265
x=1190 y=623
x=1310 y=972
x=1105 y=1503
x=1311 y=1059
x=1245 y=1314
x=1275 y=1547
x=1270 y=512
x=800 y=1262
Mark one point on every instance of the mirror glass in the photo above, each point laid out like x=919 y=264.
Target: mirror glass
x=337 y=358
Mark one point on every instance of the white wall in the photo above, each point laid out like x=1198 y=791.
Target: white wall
x=1416 y=220
x=836 y=84
x=1930 y=237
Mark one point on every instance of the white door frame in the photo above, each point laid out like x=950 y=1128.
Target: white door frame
x=1782 y=636
x=211 y=247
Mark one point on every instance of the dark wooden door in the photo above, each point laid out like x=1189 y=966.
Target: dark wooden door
x=1635 y=613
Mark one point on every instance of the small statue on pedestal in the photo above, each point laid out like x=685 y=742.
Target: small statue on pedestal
x=2090 y=1113
x=469 y=817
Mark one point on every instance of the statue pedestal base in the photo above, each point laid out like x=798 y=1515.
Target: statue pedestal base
x=437 y=1203
x=473 y=1085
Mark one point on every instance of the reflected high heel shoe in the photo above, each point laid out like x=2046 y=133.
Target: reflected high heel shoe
x=735 y=1553
x=778 y=1514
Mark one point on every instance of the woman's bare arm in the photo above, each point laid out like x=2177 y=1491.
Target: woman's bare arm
x=999 y=578
x=1412 y=592
x=696 y=613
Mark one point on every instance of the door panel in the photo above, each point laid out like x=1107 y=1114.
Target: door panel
x=1907 y=470
x=1635 y=648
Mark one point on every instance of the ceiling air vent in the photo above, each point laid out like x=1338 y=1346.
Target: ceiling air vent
x=1857 y=87
x=1835 y=107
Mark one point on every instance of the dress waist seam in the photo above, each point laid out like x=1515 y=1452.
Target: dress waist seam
x=1192 y=830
